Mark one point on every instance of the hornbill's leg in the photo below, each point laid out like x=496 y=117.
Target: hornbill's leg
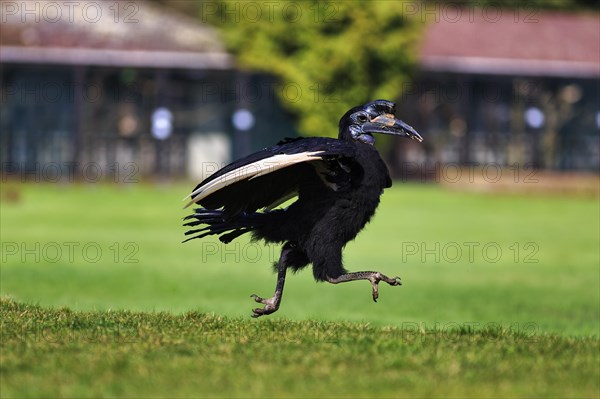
x=373 y=277
x=272 y=304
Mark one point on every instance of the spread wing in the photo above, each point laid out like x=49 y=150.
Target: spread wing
x=273 y=175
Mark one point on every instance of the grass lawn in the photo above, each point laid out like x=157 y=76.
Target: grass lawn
x=61 y=353
x=500 y=298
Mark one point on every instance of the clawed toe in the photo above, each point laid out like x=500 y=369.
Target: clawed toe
x=271 y=305
x=391 y=281
x=268 y=309
x=258 y=299
x=395 y=281
x=378 y=277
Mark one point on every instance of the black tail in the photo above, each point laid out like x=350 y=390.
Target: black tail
x=218 y=224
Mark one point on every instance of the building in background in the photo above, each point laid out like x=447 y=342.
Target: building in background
x=134 y=87
x=123 y=87
x=508 y=87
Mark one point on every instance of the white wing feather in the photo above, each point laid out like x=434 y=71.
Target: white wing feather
x=251 y=171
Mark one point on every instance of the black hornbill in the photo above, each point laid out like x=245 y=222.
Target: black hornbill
x=337 y=183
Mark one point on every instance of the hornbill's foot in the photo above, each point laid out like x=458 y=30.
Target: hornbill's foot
x=377 y=277
x=271 y=305
x=373 y=277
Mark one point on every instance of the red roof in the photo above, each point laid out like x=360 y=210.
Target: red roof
x=513 y=42
x=112 y=33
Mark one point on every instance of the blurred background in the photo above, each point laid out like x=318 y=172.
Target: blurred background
x=102 y=99
x=162 y=84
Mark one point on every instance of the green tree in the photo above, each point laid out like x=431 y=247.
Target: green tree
x=328 y=56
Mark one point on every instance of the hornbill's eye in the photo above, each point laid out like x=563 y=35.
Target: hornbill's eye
x=362 y=118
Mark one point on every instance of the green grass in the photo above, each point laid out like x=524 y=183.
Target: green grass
x=61 y=353
x=58 y=230
x=548 y=291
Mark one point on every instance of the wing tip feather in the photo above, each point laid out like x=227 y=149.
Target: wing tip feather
x=235 y=175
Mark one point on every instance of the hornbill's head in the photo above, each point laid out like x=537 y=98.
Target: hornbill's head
x=375 y=117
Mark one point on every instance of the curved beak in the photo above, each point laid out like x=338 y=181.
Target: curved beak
x=388 y=124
